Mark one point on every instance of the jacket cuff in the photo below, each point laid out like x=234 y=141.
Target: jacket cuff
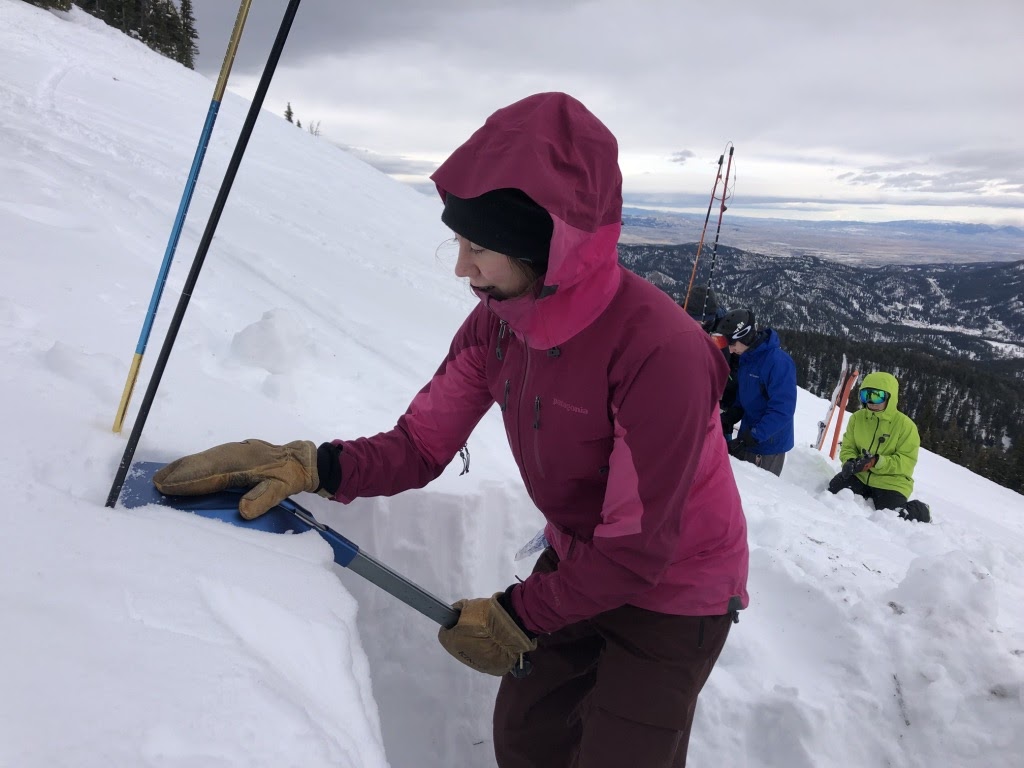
x=505 y=601
x=328 y=467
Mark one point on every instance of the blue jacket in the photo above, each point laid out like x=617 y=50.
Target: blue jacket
x=767 y=393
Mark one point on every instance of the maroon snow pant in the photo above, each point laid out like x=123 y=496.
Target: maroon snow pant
x=616 y=691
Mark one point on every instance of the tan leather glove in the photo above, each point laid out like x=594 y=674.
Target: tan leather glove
x=271 y=472
x=486 y=637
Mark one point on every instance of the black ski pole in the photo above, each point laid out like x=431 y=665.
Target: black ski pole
x=201 y=251
x=718 y=231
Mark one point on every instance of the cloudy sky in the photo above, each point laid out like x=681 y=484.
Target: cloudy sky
x=872 y=110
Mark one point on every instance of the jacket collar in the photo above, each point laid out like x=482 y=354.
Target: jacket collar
x=577 y=288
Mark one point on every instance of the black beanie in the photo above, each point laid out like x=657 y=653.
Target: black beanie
x=503 y=220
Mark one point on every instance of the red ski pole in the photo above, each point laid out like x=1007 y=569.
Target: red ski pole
x=703 y=232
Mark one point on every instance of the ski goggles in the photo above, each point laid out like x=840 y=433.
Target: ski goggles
x=870 y=396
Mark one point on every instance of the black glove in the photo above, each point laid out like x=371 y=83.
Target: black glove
x=853 y=466
x=329 y=467
x=739 y=444
x=730 y=417
x=505 y=601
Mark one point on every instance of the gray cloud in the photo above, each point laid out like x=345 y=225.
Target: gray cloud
x=958 y=173
x=329 y=27
x=393 y=165
x=891 y=97
x=755 y=202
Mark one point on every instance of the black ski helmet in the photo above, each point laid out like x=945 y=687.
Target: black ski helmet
x=737 y=325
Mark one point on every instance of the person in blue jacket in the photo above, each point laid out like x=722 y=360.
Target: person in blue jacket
x=766 y=392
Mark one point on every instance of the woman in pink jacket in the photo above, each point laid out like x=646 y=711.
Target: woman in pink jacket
x=609 y=395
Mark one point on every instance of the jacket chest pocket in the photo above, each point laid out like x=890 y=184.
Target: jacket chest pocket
x=570 y=445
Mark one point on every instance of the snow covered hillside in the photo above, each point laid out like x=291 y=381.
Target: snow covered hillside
x=152 y=637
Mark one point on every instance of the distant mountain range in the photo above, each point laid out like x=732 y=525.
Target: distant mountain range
x=891 y=242
x=971 y=311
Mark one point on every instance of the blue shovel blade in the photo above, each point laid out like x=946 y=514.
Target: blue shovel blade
x=139 y=491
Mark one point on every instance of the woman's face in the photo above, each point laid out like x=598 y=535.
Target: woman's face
x=491 y=272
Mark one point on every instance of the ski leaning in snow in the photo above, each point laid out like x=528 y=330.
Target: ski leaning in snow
x=844 y=399
x=823 y=425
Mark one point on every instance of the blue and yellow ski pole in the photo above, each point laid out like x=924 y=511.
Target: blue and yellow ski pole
x=179 y=219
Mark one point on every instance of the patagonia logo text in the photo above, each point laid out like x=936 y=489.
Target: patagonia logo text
x=570 y=408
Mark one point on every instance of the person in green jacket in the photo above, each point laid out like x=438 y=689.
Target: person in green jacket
x=880 y=449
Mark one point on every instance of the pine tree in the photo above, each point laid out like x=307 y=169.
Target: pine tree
x=160 y=27
x=60 y=5
x=156 y=23
x=187 y=48
x=288 y=114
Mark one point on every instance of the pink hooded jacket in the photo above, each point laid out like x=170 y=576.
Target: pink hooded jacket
x=609 y=394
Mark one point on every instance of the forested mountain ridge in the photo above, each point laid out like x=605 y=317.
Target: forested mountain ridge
x=166 y=26
x=967 y=311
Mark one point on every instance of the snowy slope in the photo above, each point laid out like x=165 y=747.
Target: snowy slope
x=149 y=637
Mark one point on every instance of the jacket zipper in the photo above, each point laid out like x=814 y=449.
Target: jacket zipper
x=536 y=436
x=878 y=423
x=519 y=413
x=502 y=328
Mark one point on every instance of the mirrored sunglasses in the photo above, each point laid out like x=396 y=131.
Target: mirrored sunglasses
x=873 y=396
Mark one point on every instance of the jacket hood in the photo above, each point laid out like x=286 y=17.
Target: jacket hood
x=765 y=341
x=886 y=382
x=555 y=150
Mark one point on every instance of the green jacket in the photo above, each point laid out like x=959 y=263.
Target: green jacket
x=890 y=434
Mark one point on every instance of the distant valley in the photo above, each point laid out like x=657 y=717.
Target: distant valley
x=895 y=242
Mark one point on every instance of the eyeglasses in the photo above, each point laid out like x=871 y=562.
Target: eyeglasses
x=870 y=396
